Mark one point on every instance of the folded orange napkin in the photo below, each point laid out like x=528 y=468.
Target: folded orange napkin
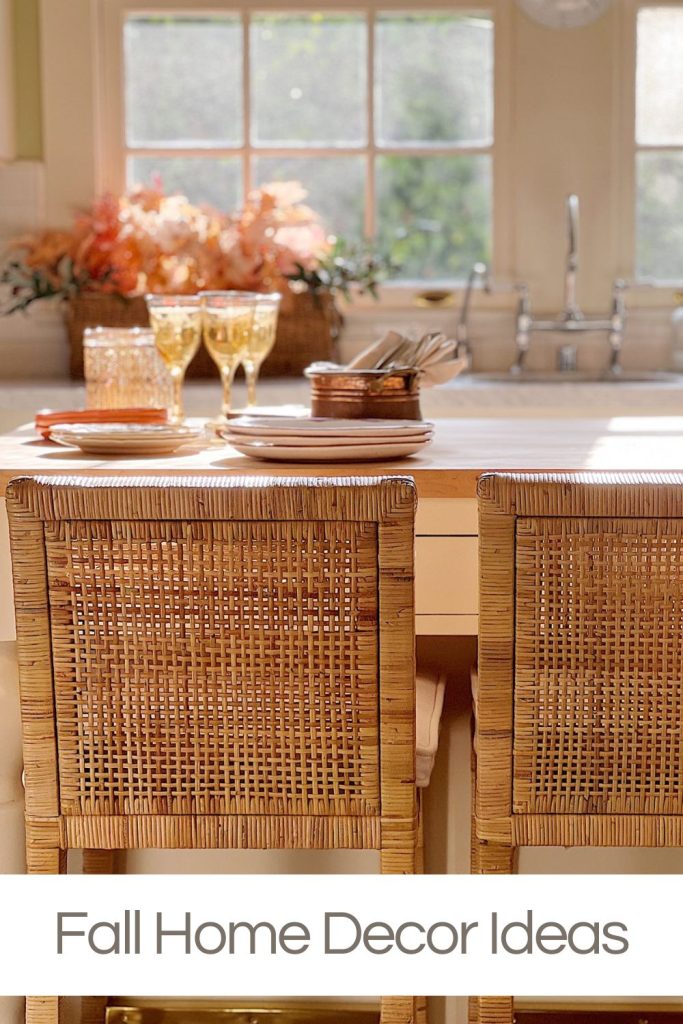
x=46 y=419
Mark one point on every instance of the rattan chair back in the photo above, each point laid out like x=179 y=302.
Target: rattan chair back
x=579 y=738
x=217 y=663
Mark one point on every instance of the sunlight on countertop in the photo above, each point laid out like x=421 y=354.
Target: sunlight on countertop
x=467 y=397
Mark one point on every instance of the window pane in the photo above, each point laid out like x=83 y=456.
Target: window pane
x=183 y=81
x=434 y=79
x=659 y=201
x=659 y=76
x=335 y=185
x=434 y=213
x=215 y=181
x=308 y=80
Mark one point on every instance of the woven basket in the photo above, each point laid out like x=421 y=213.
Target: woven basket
x=308 y=327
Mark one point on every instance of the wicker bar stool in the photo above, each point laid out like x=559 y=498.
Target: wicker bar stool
x=216 y=663
x=580 y=683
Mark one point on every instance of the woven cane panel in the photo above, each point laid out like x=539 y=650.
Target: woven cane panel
x=599 y=666
x=215 y=667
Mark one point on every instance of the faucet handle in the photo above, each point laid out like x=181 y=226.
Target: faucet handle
x=619 y=286
x=573 y=230
x=522 y=290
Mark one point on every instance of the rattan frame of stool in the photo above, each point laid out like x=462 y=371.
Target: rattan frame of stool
x=382 y=508
x=541 y=535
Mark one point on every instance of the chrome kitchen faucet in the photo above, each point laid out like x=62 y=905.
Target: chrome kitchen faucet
x=462 y=332
x=571 y=320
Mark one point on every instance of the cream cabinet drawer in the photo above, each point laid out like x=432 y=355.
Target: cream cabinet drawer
x=446 y=577
x=7 y=630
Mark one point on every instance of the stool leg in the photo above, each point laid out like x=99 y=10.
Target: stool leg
x=491 y=1010
x=420 y=850
x=42 y=1010
x=398 y=856
x=397 y=1010
x=420 y=1001
x=93 y=1009
x=96 y=862
x=489 y=858
x=45 y=860
x=493 y=858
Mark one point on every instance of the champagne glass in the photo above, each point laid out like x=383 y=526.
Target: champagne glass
x=177 y=324
x=261 y=338
x=228 y=323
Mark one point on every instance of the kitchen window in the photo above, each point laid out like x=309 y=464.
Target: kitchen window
x=385 y=116
x=659 y=144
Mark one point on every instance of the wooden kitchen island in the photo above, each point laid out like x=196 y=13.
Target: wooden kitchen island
x=449 y=468
x=445 y=474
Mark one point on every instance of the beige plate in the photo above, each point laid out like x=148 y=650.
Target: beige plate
x=329 y=453
x=333 y=441
x=126 y=439
x=324 y=428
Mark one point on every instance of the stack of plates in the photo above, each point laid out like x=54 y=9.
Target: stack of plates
x=132 y=439
x=291 y=439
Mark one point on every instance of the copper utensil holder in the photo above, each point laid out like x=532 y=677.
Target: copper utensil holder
x=365 y=394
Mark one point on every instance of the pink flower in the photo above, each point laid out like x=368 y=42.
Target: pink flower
x=299 y=244
x=148 y=241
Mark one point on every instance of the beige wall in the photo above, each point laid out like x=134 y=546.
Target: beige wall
x=566 y=107
x=27 y=83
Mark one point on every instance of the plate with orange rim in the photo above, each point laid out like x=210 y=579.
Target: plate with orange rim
x=135 y=439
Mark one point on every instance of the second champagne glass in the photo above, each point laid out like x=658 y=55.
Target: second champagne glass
x=228 y=323
x=177 y=324
x=261 y=338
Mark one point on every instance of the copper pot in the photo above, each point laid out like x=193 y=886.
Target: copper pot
x=365 y=394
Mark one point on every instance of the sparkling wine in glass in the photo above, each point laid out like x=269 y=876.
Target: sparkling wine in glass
x=261 y=338
x=228 y=324
x=177 y=324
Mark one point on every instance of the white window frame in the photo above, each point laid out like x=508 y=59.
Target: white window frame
x=111 y=142
x=533 y=169
x=641 y=293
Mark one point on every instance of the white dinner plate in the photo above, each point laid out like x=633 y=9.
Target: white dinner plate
x=267 y=426
x=294 y=441
x=329 y=453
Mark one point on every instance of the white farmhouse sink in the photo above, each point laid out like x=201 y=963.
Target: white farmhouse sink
x=579 y=377
x=501 y=395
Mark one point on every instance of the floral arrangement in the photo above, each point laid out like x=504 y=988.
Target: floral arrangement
x=146 y=241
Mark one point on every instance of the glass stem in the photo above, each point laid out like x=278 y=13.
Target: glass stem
x=177 y=412
x=227 y=376
x=251 y=370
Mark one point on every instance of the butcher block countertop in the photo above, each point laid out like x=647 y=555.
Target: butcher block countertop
x=449 y=468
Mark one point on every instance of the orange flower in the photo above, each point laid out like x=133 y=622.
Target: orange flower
x=148 y=241
x=45 y=249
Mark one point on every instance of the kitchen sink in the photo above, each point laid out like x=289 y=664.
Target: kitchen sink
x=579 y=377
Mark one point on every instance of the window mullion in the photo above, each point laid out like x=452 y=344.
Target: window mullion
x=370 y=226
x=247 y=183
